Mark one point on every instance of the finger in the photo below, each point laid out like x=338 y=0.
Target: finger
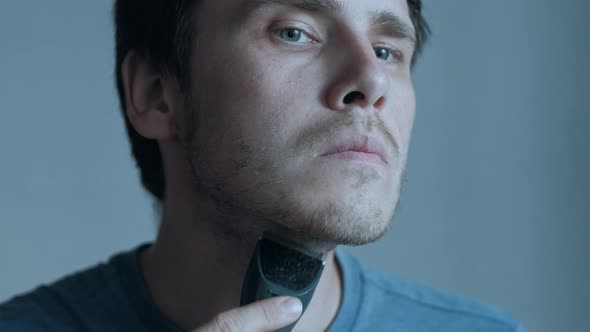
x=262 y=316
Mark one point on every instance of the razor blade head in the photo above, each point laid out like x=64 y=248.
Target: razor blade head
x=287 y=265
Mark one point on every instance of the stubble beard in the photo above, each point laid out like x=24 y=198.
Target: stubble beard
x=251 y=210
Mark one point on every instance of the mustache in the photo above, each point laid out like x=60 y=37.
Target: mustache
x=317 y=135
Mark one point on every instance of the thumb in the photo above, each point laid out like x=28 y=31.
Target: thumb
x=262 y=316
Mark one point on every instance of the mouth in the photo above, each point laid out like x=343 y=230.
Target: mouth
x=358 y=148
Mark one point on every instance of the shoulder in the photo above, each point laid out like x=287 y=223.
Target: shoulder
x=408 y=304
x=66 y=304
x=21 y=315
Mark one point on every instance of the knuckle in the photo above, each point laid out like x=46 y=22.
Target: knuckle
x=268 y=312
x=227 y=323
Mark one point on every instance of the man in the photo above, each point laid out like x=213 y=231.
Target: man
x=290 y=117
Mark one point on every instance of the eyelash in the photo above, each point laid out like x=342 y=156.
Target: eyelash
x=277 y=32
x=398 y=55
x=395 y=53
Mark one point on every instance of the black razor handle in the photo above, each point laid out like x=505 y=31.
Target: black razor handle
x=280 y=269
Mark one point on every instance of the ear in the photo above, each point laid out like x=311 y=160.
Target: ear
x=149 y=107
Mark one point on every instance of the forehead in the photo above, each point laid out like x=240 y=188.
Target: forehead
x=355 y=9
x=332 y=5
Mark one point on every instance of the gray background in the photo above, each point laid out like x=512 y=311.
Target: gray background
x=496 y=201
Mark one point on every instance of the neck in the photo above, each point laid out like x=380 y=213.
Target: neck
x=196 y=266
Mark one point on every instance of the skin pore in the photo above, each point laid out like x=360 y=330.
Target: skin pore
x=273 y=85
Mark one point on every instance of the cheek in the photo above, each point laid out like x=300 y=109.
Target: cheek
x=403 y=115
x=272 y=99
x=252 y=100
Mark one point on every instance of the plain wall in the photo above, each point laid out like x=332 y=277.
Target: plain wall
x=495 y=203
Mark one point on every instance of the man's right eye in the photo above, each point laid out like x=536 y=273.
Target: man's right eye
x=294 y=36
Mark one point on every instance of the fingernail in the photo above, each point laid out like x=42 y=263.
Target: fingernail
x=291 y=307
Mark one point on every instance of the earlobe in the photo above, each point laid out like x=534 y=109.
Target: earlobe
x=145 y=100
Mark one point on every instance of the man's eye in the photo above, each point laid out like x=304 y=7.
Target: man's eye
x=386 y=55
x=293 y=35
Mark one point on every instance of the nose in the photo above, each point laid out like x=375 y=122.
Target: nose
x=360 y=80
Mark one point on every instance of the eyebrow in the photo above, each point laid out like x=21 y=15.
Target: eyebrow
x=386 y=21
x=390 y=24
x=330 y=6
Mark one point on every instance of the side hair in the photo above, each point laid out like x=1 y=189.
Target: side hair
x=162 y=31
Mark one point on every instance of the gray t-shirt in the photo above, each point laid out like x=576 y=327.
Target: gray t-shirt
x=113 y=296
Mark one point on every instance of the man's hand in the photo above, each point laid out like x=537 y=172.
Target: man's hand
x=263 y=316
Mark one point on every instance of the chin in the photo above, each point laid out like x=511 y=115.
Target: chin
x=353 y=221
x=352 y=205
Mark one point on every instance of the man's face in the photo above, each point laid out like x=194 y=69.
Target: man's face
x=275 y=86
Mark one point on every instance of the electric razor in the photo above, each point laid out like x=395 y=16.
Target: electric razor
x=280 y=268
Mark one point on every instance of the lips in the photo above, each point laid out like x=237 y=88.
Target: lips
x=359 y=144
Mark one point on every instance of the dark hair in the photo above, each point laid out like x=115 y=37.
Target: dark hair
x=162 y=32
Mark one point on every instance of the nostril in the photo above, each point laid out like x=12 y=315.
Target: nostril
x=349 y=98
x=379 y=103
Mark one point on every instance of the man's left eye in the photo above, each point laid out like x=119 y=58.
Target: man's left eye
x=386 y=55
x=293 y=35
